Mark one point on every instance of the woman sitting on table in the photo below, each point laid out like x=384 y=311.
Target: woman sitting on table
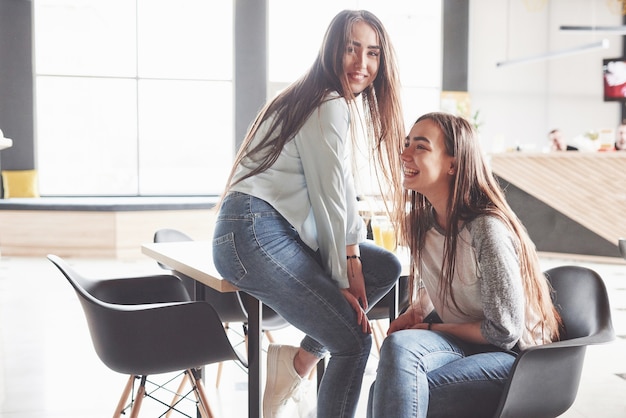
x=288 y=230
x=480 y=293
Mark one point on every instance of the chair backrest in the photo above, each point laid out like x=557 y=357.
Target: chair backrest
x=582 y=300
x=544 y=379
x=170 y=235
x=153 y=333
x=231 y=306
x=381 y=309
x=228 y=305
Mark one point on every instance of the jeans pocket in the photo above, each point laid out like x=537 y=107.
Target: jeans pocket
x=226 y=258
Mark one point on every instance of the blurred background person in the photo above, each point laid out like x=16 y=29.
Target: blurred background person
x=557 y=142
x=620 y=137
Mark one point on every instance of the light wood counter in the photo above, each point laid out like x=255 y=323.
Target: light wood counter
x=589 y=188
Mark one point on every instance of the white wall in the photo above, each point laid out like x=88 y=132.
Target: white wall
x=520 y=103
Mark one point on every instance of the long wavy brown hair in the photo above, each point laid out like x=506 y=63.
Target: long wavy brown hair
x=475 y=192
x=290 y=109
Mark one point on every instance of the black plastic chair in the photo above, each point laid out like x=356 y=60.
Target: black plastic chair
x=230 y=306
x=545 y=379
x=149 y=325
x=384 y=309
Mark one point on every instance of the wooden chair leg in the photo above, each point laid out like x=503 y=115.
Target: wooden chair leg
x=141 y=393
x=125 y=394
x=220 y=366
x=203 y=401
x=177 y=396
x=378 y=334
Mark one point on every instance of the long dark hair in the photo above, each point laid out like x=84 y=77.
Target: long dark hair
x=291 y=108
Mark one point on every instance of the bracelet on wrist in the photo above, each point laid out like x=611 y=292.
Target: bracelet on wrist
x=353 y=257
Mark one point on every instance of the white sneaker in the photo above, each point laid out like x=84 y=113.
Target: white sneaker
x=282 y=382
x=305 y=398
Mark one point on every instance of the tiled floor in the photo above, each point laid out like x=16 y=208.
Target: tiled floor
x=48 y=368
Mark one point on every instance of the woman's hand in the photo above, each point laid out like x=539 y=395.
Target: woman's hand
x=408 y=320
x=361 y=317
x=356 y=280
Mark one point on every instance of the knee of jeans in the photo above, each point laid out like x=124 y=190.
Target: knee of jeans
x=393 y=267
x=356 y=343
x=393 y=346
x=395 y=263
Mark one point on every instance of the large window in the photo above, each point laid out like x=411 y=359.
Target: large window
x=134 y=97
x=415 y=28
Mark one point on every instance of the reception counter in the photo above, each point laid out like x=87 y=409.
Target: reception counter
x=570 y=202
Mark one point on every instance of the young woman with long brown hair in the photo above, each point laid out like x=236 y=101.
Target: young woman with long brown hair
x=479 y=293
x=288 y=229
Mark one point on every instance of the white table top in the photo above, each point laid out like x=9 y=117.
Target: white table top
x=5 y=142
x=192 y=258
x=195 y=259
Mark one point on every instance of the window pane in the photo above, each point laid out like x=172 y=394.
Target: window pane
x=86 y=136
x=186 y=131
x=185 y=39
x=87 y=37
x=419 y=100
x=415 y=28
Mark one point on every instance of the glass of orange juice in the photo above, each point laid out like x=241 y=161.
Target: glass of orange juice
x=383 y=232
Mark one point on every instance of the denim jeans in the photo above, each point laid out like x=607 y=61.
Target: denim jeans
x=431 y=374
x=257 y=250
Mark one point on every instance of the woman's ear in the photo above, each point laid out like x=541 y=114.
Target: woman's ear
x=452 y=169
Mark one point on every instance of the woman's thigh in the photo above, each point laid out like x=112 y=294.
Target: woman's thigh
x=470 y=386
x=259 y=252
x=412 y=350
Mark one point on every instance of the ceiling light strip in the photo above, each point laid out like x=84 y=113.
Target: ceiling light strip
x=603 y=44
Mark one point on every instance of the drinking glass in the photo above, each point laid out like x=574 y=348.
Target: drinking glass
x=383 y=232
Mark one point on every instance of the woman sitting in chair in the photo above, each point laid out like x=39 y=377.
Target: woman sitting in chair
x=479 y=292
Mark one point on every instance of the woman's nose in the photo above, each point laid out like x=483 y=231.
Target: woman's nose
x=360 y=60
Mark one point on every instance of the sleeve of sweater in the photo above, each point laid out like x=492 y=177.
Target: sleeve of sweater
x=322 y=143
x=502 y=291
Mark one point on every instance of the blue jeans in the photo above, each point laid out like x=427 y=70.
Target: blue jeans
x=431 y=374
x=258 y=251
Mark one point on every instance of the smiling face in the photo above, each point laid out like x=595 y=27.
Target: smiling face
x=362 y=57
x=428 y=169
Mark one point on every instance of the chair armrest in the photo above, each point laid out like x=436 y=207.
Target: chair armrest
x=548 y=374
x=605 y=335
x=161 y=337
